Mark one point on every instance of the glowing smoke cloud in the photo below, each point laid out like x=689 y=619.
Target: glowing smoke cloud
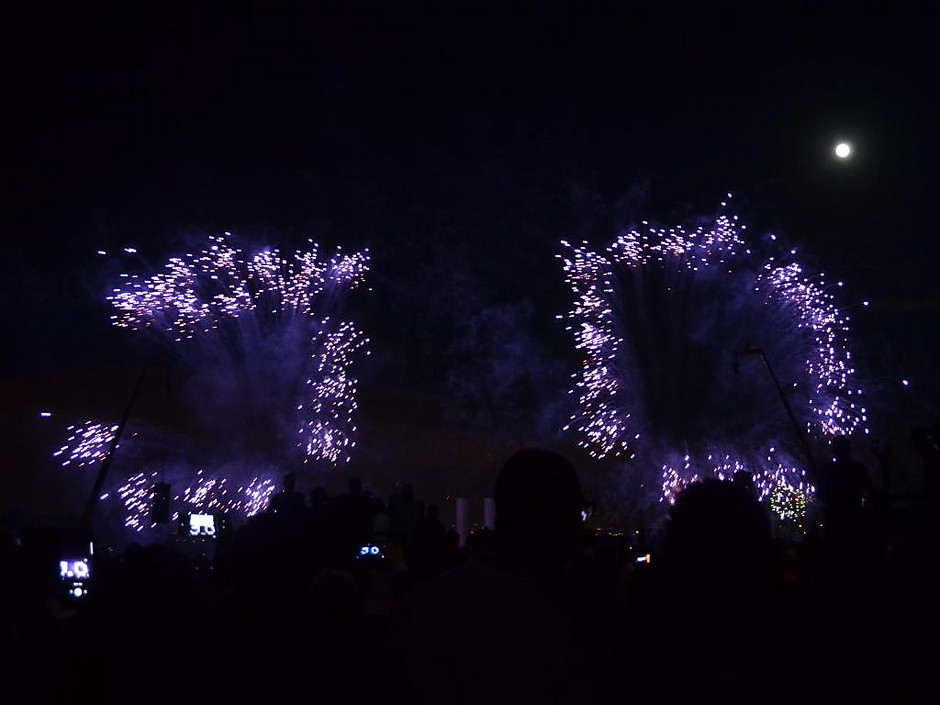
x=269 y=374
x=665 y=319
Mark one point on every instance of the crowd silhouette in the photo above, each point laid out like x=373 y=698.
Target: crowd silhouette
x=376 y=600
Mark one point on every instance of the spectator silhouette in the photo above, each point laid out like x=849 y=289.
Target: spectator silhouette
x=321 y=529
x=745 y=479
x=289 y=502
x=335 y=628
x=502 y=626
x=704 y=598
x=362 y=507
x=718 y=537
x=402 y=510
x=431 y=550
x=842 y=487
x=11 y=598
x=926 y=441
x=318 y=499
x=148 y=599
x=260 y=624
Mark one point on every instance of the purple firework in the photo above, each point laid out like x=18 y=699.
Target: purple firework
x=672 y=324
x=267 y=372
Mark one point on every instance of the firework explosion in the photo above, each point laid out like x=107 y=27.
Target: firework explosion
x=673 y=325
x=206 y=493
x=87 y=444
x=268 y=383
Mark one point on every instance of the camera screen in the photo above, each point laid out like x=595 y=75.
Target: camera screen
x=75 y=572
x=371 y=550
x=202 y=525
x=77 y=569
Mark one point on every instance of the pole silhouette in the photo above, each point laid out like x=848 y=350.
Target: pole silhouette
x=804 y=444
x=92 y=501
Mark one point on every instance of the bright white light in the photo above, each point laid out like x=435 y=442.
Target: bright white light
x=843 y=150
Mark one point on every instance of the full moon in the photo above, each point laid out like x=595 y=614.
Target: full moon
x=843 y=150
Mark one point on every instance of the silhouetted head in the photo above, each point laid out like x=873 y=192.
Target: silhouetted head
x=434 y=512
x=290 y=482
x=745 y=479
x=718 y=534
x=538 y=507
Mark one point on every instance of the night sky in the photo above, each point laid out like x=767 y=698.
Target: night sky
x=461 y=153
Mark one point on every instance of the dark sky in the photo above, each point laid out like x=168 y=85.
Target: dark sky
x=460 y=152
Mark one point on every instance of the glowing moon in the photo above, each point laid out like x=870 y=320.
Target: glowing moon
x=843 y=150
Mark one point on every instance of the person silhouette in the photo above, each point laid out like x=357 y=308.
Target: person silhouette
x=289 y=502
x=430 y=549
x=745 y=478
x=503 y=625
x=715 y=570
x=842 y=486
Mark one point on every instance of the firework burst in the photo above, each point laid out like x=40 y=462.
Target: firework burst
x=668 y=322
x=267 y=372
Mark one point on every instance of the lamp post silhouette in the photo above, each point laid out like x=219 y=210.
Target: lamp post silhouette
x=92 y=501
x=804 y=444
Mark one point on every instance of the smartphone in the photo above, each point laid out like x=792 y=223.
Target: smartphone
x=202 y=525
x=75 y=574
x=59 y=561
x=370 y=551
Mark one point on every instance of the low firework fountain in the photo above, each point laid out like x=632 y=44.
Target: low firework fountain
x=268 y=382
x=668 y=320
